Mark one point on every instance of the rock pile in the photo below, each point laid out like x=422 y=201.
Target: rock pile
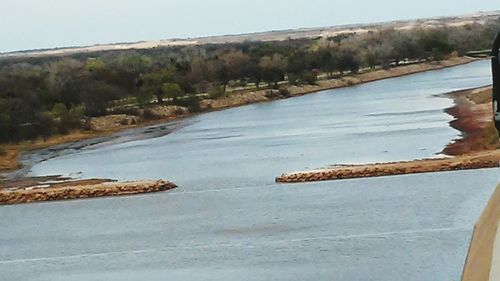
x=35 y=194
x=388 y=169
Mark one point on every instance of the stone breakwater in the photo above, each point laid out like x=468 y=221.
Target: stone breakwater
x=482 y=160
x=68 y=191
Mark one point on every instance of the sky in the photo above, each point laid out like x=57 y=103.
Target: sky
x=37 y=24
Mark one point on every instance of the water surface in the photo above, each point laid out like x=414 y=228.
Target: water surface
x=387 y=120
x=228 y=220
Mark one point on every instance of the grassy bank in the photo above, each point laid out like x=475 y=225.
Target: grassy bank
x=9 y=152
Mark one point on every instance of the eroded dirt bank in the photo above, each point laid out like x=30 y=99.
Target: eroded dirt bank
x=472 y=113
x=34 y=191
x=476 y=149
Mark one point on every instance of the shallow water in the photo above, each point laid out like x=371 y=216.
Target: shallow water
x=228 y=220
x=415 y=226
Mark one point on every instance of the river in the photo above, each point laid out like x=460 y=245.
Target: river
x=228 y=220
x=394 y=119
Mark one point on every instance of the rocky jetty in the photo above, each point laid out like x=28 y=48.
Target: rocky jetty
x=75 y=190
x=481 y=160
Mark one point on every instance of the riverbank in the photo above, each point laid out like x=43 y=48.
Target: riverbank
x=249 y=97
x=477 y=147
x=472 y=117
x=104 y=126
x=66 y=190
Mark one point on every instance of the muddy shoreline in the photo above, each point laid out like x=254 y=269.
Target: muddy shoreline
x=29 y=158
x=472 y=117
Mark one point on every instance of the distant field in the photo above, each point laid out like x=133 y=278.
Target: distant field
x=280 y=35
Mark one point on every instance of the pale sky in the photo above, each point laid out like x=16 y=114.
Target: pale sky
x=34 y=24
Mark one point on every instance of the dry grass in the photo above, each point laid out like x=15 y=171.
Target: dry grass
x=8 y=158
x=481 y=96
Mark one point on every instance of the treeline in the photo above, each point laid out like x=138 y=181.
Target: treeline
x=45 y=96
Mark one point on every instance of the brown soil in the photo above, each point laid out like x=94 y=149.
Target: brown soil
x=472 y=112
x=476 y=149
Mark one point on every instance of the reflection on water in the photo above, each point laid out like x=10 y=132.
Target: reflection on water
x=228 y=220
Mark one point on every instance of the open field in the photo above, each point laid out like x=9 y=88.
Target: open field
x=267 y=36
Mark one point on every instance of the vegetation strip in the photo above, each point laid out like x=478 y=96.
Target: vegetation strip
x=68 y=190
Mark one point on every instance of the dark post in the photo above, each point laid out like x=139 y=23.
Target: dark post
x=495 y=65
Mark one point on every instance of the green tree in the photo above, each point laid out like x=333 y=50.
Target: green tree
x=154 y=82
x=348 y=62
x=172 y=91
x=435 y=43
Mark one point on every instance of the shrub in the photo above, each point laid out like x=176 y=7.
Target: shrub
x=126 y=110
x=284 y=92
x=148 y=114
x=191 y=101
x=309 y=78
x=216 y=92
